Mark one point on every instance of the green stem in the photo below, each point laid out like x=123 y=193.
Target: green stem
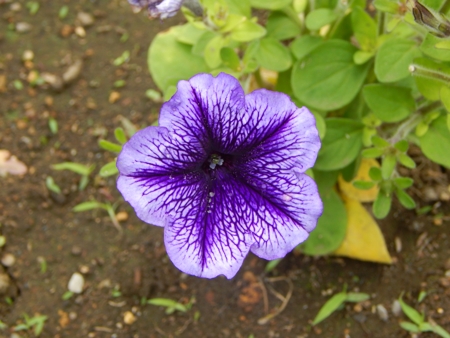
x=421 y=71
x=407 y=126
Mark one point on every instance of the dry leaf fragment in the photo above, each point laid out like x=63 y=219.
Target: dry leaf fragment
x=10 y=164
x=349 y=190
x=363 y=239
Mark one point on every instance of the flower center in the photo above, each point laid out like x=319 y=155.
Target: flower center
x=216 y=160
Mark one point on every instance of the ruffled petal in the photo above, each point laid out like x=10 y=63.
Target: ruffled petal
x=166 y=9
x=210 y=109
x=279 y=136
x=156 y=168
x=214 y=235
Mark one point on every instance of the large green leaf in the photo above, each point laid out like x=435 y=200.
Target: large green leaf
x=304 y=45
x=331 y=227
x=281 y=27
x=327 y=78
x=393 y=59
x=170 y=61
x=341 y=145
x=365 y=29
x=435 y=143
x=431 y=46
x=247 y=31
x=389 y=103
x=319 y=18
x=273 y=55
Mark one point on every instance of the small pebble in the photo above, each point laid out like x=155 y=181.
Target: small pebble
x=113 y=97
x=4 y=283
x=8 y=260
x=85 y=19
x=15 y=7
x=80 y=31
x=382 y=312
x=76 y=250
x=73 y=315
x=129 y=318
x=122 y=216
x=84 y=269
x=28 y=55
x=76 y=283
x=396 y=308
x=23 y=27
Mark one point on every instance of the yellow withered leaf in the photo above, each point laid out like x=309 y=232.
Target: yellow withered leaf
x=363 y=240
x=349 y=190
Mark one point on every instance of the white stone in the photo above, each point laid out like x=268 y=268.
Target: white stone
x=76 y=283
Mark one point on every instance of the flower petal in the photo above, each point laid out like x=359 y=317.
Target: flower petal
x=281 y=136
x=210 y=109
x=166 y=9
x=214 y=234
x=155 y=168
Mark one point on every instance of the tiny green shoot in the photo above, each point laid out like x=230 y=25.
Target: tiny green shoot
x=67 y=295
x=63 y=11
x=77 y=168
x=122 y=59
x=337 y=301
x=170 y=305
x=91 y=205
x=33 y=7
x=36 y=323
x=52 y=186
x=53 y=125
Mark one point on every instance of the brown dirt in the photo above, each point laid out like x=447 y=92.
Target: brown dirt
x=122 y=270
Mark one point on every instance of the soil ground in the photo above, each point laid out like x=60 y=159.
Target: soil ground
x=50 y=242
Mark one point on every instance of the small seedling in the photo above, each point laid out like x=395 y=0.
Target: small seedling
x=419 y=324
x=53 y=125
x=36 y=323
x=91 y=205
x=78 y=168
x=116 y=292
x=122 y=59
x=67 y=295
x=63 y=11
x=3 y=325
x=171 y=305
x=43 y=264
x=272 y=265
x=52 y=186
x=337 y=301
x=33 y=7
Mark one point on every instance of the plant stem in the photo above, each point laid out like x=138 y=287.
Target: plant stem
x=405 y=128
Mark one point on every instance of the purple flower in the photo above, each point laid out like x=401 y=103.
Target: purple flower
x=224 y=175
x=158 y=8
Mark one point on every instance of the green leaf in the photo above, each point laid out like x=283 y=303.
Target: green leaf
x=387 y=6
x=318 y=18
x=271 y=265
x=402 y=145
x=382 y=205
x=411 y=313
x=389 y=103
x=430 y=47
x=109 y=169
x=363 y=185
x=393 y=59
x=408 y=326
x=327 y=78
x=53 y=125
x=189 y=33
x=241 y=7
x=212 y=51
x=104 y=144
x=199 y=48
x=365 y=29
x=273 y=55
x=375 y=174
x=270 y=4
x=403 y=182
x=170 y=61
x=85 y=206
x=435 y=144
x=331 y=227
x=431 y=84
x=341 y=144
x=380 y=142
x=52 y=186
x=119 y=133
x=440 y=331
x=247 y=31
x=406 y=161
x=169 y=303
x=372 y=152
x=357 y=297
x=75 y=167
x=405 y=199
x=330 y=306
x=305 y=45
x=281 y=27
x=445 y=97
x=320 y=124
x=230 y=58
x=360 y=57
x=388 y=165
